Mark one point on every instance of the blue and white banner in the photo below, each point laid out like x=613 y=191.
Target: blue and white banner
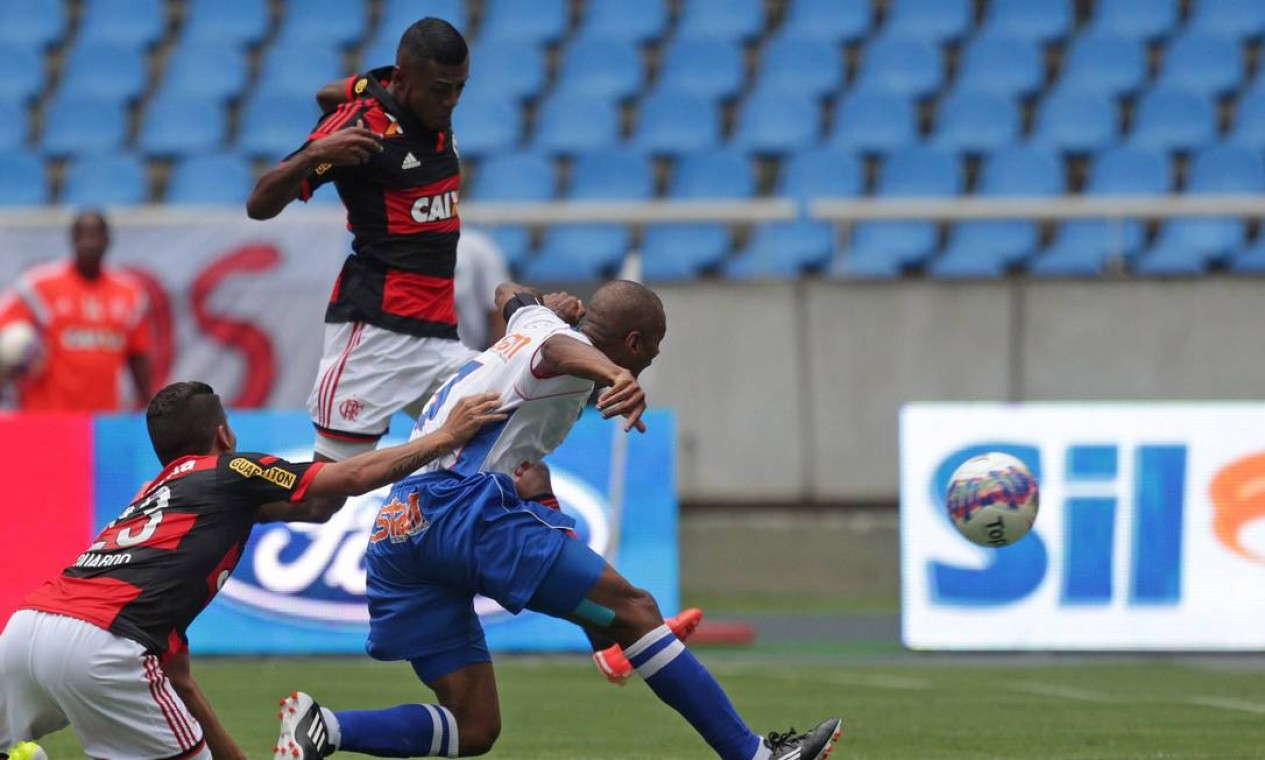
x=300 y=588
x=1151 y=531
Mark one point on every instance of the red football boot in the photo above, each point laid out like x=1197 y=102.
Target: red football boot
x=616 y=667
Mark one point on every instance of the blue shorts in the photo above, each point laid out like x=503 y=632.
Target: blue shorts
x=467 y=536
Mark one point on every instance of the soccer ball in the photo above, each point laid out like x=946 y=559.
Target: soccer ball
x=21 y=349
x=28 y=751
x=993 y=499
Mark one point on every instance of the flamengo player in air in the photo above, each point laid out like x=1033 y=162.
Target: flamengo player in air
x=102 y=647
x=391 y=335
x=457 y=528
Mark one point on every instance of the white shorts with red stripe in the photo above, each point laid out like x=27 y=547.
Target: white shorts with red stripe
x=57 y=671
x=368 y=373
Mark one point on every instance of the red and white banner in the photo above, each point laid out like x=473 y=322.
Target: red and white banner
x=236 y=303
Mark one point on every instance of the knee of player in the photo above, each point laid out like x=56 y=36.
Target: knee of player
x=639 y=609
x=477 y=737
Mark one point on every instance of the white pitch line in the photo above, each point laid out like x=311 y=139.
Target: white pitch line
x=1224 y=703
x=1059 y=692
x=903 y=683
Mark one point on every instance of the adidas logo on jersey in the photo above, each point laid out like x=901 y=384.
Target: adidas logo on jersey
x=410 y=162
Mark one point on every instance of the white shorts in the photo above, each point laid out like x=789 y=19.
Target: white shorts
x=57 y=671
x=369 y=373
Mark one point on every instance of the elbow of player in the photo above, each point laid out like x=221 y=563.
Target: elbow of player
x=257 y=211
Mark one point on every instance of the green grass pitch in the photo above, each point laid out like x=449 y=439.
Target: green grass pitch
x=894 y=705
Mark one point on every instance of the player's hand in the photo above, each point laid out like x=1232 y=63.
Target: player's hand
x=472 y=413
x=346 y=147
x=626 y=399
x=532 y=479
x=568 y=308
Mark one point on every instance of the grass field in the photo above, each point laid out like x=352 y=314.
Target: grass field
x=894 y=704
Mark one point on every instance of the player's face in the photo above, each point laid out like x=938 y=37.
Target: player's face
x=90 y=237
x=431 y=91
x=640 y=351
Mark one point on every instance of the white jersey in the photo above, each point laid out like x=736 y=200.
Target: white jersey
x=541 y=408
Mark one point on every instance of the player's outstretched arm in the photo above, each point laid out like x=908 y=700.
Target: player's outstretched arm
x=374 y=469
x=281 y=184
x=568 y=308
x=218 y=740
x=564 y=355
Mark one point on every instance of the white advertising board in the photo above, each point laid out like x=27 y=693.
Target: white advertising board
x=1151 y=532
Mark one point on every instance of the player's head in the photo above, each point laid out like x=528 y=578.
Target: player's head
x=89 y=238
x=432 y=64
x=625 y=321
x=185 y=419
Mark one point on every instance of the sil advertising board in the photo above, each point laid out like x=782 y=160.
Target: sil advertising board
x=300 y=588
x=1150 y=536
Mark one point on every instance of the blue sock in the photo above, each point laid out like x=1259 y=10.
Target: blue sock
x=677 y=678
x=401 y=731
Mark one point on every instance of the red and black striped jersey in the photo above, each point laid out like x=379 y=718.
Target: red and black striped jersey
x=153 y=569
x=402 y=212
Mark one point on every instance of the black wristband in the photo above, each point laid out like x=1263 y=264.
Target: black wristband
x=520 y=300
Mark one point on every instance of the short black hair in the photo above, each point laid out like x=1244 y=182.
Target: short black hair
x=87 y=214
x=183 y=419
x=432 y=39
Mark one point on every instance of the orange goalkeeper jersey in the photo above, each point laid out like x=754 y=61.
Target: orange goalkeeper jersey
x=89 y=328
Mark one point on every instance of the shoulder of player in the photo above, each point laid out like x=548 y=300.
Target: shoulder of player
x=43 y=274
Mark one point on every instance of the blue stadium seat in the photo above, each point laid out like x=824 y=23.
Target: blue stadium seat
x=292 y=68
x=1042 y=21
x=611 y=175
x=1137 y=19
x=217 y=179
x=1084 y=248
x=874 y=122
x=213 y=71
x=539 y=22
x=104 y=70
x=976 y=122
x=775 y=122
x=510 y=70
x=514 y=241
x=24 y=73
x=642 y=21
x=1167 y=118
x=486 y=124
x=1249 y=260
x=571 y=123
x=936 y=21
x=900 y=65
x=13 y=125
x=83 y=125
x=712 y=174
x=579 y=252
x=673 y=252
x=829 y=20
x=33 y=24
x=22 y=180
x=515 y=177
x=179 y=125
x=803 y=65
x=225 y=22
x=1190 y=246
x=671 y=122
x=780 y=250
x=1104 y=63
x=325 y=23
x=607 y=68
x=884 y=249
x=708 y=68
x=271 y=127
x=381 y=47
x=1202 y=63
x=820 y=173
x=1238 y=19
x=1249 y=121
x=398 y=15
x=1010 y=66
x=990 y=249
x=116 y=179
x=723 y=19
x=1076 y=122
x=128 y=23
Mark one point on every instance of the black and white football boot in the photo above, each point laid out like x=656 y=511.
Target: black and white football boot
x=304 y=735
x=814 y=745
